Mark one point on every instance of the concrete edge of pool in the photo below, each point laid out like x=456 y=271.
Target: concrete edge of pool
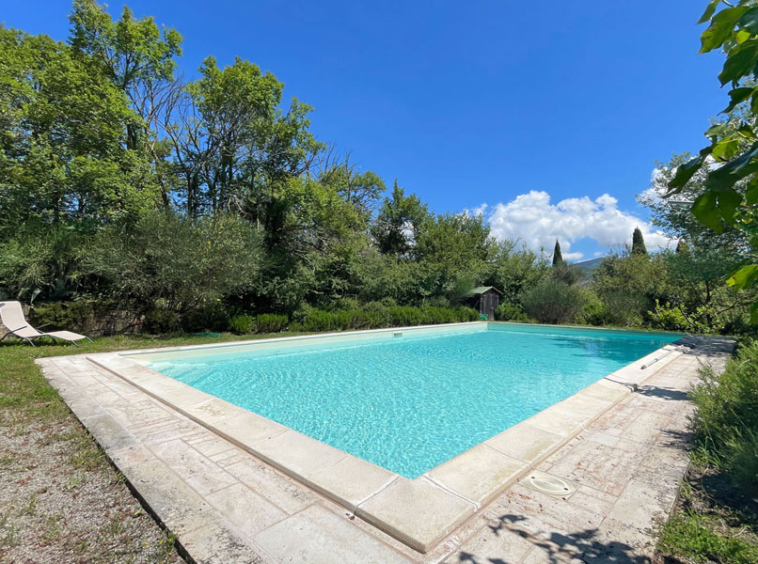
x=420 y=512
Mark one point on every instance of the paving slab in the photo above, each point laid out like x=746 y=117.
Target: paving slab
x=318 y=536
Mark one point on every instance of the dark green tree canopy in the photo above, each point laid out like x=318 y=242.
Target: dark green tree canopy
x=638 y=243
x=398 y=222
x=557 y=254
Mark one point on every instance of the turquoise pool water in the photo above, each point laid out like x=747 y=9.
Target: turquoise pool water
x=411 y=403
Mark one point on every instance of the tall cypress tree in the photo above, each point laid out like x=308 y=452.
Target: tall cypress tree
x=638 y=243
x=557 y=255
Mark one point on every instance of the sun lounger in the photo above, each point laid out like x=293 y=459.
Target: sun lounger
x=12 y=317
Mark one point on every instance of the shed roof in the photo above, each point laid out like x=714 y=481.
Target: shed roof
x=482 y=289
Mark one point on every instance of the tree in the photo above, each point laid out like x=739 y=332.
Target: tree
x=168 y=257
x=139 y=59
x=552 y=301
x=133 y=53
x=360 y=189
x=514 y=270
x=63 y=158
x=557 y=254
x=731 y=189
x=629 y=286
x=398 y=222
x=638 y=243
x=673 y=213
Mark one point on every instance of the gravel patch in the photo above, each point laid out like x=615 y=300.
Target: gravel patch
x=61 y=501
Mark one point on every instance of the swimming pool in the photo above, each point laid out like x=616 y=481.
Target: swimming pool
x=409 y=401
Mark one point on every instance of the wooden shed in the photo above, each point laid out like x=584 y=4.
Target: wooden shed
x=485 y=299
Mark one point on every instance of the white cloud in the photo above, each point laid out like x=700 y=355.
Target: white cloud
x=531 y=218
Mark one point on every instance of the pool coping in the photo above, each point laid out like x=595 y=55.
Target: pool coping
x=419 y=512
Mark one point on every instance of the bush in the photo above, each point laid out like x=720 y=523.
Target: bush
x=404 y=316
x=160 y=320
x=467 y=314
x=594 y=311
x=552 y=301
x=377 y=316
x=173 y=258
x=318 y=320
x=379 y=309
x=64 y=315
x=41 y=261
x=508 y=312
x=726 y=420
x=270 y=323
x=213 y=316
x=242 y=324
x=674 y=318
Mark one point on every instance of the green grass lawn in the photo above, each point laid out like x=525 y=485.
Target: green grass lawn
x=714 y=521
x=23 y=388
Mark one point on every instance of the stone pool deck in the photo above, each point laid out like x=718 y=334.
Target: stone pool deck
x=622 y=474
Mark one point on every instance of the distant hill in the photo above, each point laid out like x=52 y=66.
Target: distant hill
x=589 y=266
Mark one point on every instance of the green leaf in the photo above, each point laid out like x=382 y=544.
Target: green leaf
x=722 y=25
x=740 y=62
x=686 y=171
x=705 y=210
x=744 y=277
x=728 y=202
x=724 y=178
x=751 y=193
x=743 y=36
x=715 y=131
x=709 y=11
x=737 y=96
x=725 y=150
x=749 y=20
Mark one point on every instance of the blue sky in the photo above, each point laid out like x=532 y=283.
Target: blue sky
x=474 y=103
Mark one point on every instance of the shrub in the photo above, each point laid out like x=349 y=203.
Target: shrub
x=380 y=311
x=594 y=311
x=242 y=324
x=160 y=320
x=552 y=301
x=467 y=314
x=318 y=320
x=91 y=317
x=508 y=312
x=270 y=323
x=674 y=318
x=346 y=304
x=176 y=259
x=403 y=316
x=726 y=420
x=212 y=316
x=64 y=315
x=377 y=316
x=41 y=261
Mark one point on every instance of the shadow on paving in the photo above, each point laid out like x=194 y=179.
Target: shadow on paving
x=706 y=346
x=559 y=548
x=662 y=393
